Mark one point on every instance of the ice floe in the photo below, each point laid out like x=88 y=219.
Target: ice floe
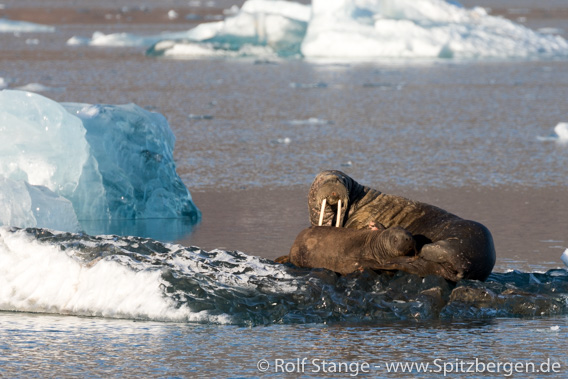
x=10 y=26
x=350 y=29
x=560 y=133
x=60 y=163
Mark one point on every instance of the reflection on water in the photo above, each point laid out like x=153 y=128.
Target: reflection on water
x=163 y=229
x=34 y=345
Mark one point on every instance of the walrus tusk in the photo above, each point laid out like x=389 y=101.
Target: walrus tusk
x=321 y=212
x=337 y=224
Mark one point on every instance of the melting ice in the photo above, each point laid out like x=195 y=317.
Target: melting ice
x=138 y=278
x=355 y=29
x=60 y=163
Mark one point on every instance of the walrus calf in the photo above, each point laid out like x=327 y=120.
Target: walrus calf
x=347 y=250
x=447 y=245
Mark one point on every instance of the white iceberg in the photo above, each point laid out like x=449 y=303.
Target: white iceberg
x=560 y=133
x=65 y=162
x=418 y=28
x=259 y=28
x=10 y=26
x=349 y=29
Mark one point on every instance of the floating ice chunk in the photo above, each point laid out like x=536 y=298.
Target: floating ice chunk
x=561 y=130
x=169 y=48
x=172 y=14
x=200 y=117
x=113 y=162
x=555 y=328
x=418 y=28
x=38 y=87
x=310 y=121
x=9 y=26
x=277 y=25
x=281 y=141
x=560 y=133
x=77 y=41
x=564 y=257
x=123 y=39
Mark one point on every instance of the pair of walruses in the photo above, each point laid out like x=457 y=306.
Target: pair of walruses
x=387 y=232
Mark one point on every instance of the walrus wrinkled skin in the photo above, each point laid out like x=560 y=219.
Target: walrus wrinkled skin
x=347 y=250
x=448 y=245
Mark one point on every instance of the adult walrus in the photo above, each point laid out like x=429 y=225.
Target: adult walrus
x=448 y=245
x=347 y=250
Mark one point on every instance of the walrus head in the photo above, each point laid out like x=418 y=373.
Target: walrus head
x=333 y=200
x=333 y=187
x=395 y=242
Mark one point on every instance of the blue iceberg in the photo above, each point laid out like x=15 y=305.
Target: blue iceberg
x=87 y=167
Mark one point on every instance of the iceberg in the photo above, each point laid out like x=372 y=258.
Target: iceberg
x=365 y=29
x=260 y=27
x=349 y=29
x=10 y=26
x=60 y=163
x=277 y=26
x=419 y=28
x=560 y=134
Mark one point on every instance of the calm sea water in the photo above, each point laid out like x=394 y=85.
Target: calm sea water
x=459 y=128
x=51 y=345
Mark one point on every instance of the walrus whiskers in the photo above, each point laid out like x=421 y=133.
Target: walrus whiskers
x=337 y=223
x=321 y=212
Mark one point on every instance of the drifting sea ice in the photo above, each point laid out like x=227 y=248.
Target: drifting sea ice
x=259 y=28
x=418 y=28
x=9 y=26
x=370 y=29
x=60 y=163
x=560 y=133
